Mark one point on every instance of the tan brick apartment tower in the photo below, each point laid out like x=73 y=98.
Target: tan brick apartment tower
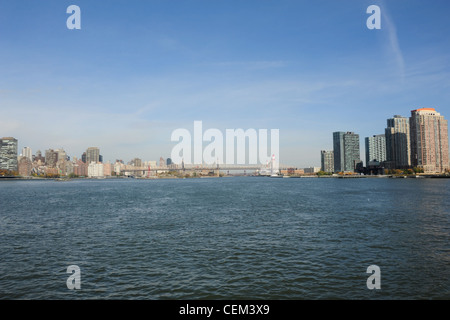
x=429 y=140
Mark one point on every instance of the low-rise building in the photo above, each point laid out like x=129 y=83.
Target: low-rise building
x=80 y=168
x=311 y=170
x=107 y=169
x=95 y=170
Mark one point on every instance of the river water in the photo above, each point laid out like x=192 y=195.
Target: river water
x=225 y=238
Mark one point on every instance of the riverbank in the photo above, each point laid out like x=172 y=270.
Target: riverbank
x=422 y=176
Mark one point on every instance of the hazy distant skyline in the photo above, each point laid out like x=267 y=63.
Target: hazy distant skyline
x=137 y=70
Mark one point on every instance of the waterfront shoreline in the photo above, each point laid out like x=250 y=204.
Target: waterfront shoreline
x=424 y=176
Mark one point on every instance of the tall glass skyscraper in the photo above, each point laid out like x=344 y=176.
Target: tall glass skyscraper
x=8 y=154
x=398 y=145
x=346 y=151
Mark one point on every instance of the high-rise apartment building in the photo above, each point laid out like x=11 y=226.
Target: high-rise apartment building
x=8 y=154
x=327 y=161
x=429 y=140
x=38 y=157
x=136 y=162
x=62 y=155
x=51 y=158
x=338 y=151
x=26 y=152
x=24 y=166
x=398 y=143
x=346 y=151
x=92 y=155
x=375 y=149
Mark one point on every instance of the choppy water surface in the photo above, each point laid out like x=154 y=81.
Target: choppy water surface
x=225 y=238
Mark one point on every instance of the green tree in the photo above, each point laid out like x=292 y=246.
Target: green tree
x=417 y=170
x=408 y=171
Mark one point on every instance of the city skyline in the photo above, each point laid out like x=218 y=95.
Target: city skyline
x=137 y=71
x=393 y=150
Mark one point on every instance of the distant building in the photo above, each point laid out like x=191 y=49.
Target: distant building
x=68 y=168
x=169 y=161
x=119 y=167
x=311 y=170
x=51 y=171
x=107 y=169
x=162 y=162
x=26 y=152
x=346 y=151
x=293 y=171
x=429 y=140
x=152 y=164
x=62 y=155
x=92 y=155
x=327 y=161
x=8 y=154
x=38 y=157
x=136 y=162
x=95 y=170
x=80 y=168
x=51 y=158
x=61 y=166
x=398 y=143
x=100 y=158
x=83 y=157
x=24 y=165
x=375 y=149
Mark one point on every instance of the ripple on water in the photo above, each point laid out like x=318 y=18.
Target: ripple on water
x=242 y=238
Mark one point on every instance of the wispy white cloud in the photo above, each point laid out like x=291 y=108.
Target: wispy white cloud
x=393 y=41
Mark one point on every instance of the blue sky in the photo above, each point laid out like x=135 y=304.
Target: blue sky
x=137 y=70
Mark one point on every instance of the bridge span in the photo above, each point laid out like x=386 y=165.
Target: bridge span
x=199 y=168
